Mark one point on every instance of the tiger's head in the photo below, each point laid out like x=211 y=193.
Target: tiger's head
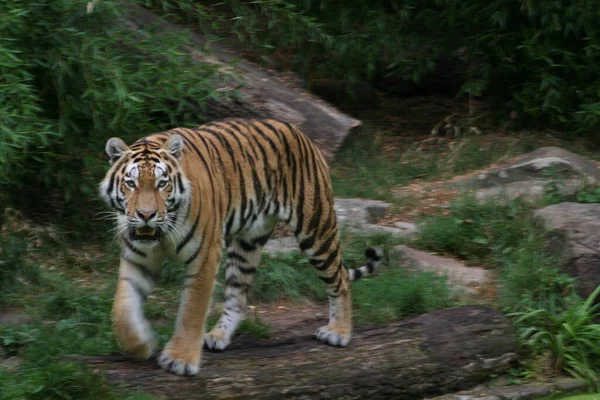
x=146 y=187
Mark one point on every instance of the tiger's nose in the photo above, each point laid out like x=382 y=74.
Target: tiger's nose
x=146 y=215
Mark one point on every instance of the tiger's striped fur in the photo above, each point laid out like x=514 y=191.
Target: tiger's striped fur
x=189 y=193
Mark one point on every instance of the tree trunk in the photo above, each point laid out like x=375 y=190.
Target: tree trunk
x=432 y=354
x=263 y=94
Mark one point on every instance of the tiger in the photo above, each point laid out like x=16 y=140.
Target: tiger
x=194 y=194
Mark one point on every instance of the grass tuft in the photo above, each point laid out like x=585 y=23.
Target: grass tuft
x=395 y=294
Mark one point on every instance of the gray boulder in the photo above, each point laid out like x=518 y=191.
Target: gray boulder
x=579 y=225
x=530 y=175
x=460 y=275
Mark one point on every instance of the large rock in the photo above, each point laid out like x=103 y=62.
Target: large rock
x=579 y=225
x=435 y=353
x=530 y=175
x=458 y=274
x=517 y=392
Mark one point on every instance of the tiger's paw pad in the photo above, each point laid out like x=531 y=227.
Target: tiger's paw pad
x=332 y=336
x=170 y=361
x=216 y=341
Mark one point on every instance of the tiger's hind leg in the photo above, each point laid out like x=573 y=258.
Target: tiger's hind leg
x=322 y=247
x=243 y=257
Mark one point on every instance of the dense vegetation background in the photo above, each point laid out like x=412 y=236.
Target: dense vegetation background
x=70 y=79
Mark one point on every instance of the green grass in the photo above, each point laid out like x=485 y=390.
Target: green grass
x=479 y=232
x=589 y=194
x=61 y=380
x=286 y=277
x=69 y=319
x=13 y=266
x=591 y=396
x=74 y=320
x=507 y=237
x=362 y=167
x=360 y=170
x=252 y=325
x=395 y=294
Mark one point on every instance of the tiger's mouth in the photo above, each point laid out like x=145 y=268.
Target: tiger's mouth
x=145 y=233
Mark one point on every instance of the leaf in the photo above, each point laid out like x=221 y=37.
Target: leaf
x=64 y=324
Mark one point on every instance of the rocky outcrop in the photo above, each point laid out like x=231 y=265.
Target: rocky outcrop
x=579 y=225
x=432 y=354
x=460 y=275
x=517 y=392
x=531 y=175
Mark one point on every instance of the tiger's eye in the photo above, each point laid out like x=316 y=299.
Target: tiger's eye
x=162 y=184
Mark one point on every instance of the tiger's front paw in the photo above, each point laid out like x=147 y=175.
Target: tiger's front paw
x=137 y=341
x=334 y=335
x=180 y=360
x=143 y=351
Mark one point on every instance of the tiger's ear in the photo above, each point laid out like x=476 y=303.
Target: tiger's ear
x=115 y=148
x=174 y=145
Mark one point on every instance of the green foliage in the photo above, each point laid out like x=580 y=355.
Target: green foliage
x=535 y=58
x=505 y=236
x=581 y=397
x=476 y=231
x=345 y=40
x=286 y=277
x=396 y=294
x=71 y=79
x=360 y=169
x=77 y=322
x=13 y=264
x=255 y=327
x=568 y=333
x=590 y=194
x=348 y=40
x=533 y=288
x=60 y=381
x=13 y=339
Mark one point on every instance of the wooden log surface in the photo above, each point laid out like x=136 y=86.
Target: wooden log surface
x=263 y=94
x=428 y=355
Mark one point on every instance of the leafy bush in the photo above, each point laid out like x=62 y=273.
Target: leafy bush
x=569 y=334
x=71 y=79
x=346 y=40
x=537 y=58
x=13 y=264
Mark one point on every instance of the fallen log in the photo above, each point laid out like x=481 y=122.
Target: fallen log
x=263 y=94
x=432 y=354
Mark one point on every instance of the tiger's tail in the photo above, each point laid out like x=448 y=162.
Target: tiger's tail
x=374 y=258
